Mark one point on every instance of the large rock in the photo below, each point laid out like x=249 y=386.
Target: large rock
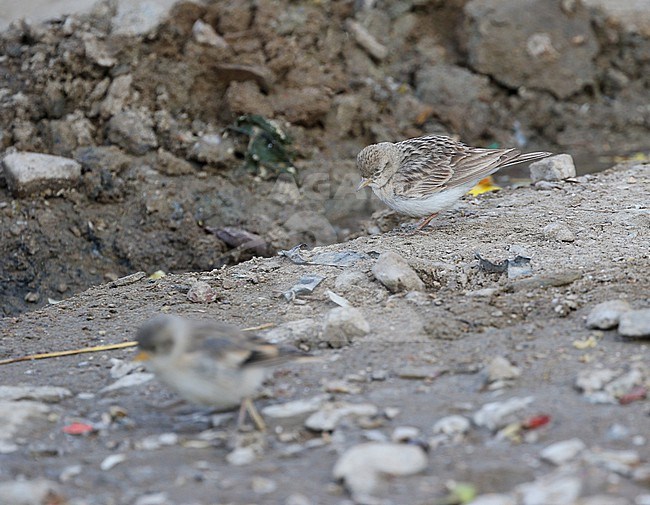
x=459 y=96
x=632 y=16
x=531 y=43
x=132 y=131
x=29 y=173
x=635 y=323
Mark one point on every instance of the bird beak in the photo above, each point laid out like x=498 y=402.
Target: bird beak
x=363 y=183
x=142 y=356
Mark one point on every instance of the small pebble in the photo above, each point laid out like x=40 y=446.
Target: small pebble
x=553 y=168
x=134 y=379
x=396 y=274
x=622 y=462
x=343 y=324
x=294 y=408
x=559 y=232
x=593 y=380
x=563 y=452
x=153 y=499
x=331 y=414
x=500 y=369
x=451 y=426
x=496 y=415
x=32 y=297
x=493 y=499
x=241 y=456
x=298 y=499
x=364 y=467
x=603 y=499
x=112 y=461
x=202 y=292
x=203 y=33
x=30 y=492
x=48 y=394
x=405 y=434
x=262 y=485
x=550 y=489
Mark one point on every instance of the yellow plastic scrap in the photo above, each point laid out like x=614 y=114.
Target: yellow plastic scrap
x=484 y=186
x=158 y=274
x=588 y=343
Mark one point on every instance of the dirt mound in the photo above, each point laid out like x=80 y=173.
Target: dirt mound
x=147 y=117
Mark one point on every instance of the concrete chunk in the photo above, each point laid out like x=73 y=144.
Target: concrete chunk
x=28 y=173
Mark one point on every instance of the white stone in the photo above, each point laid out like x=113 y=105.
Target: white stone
x=98 y=51
x=553 y=168
x=603 y=499
x=590 y=381
x=622 y=462
x=111 y=461
x=552 y=489
x=606 y=315
x=262 y=485
x=48 y=394
x=451 y=425
x=120 y=367
x=153 y=499
x=241 y=456
x=563 y=452
x=331 y=414
x=293 y=331
x=343 y=324
x=559 y=232
x=27 y=492
x=405 y=433
x=134 y=379
x=203 y=33
x=501 y=369
x=396 y=274
x=496 y=415
x=29 y=173
x=17 y=415
x=635 y=323
x=633 y=16
x=294 y=408
x=364 y=466
x=493 y=499
x=139 y=18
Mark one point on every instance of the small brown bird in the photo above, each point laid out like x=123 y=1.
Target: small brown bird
x=420 y=177
x=210 y=363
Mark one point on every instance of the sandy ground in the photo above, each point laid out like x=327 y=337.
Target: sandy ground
x=448 y=334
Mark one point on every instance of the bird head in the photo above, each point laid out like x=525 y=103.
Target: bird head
x=377 y=163
x=158 y=337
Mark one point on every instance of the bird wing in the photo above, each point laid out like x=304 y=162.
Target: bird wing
x=433 y=163
x=226 y=346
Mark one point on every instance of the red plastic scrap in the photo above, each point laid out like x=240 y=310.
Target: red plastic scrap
x=78 y=429
x=534 y=422
x=636 y=393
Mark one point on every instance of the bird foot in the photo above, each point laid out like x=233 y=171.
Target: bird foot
x=247 y=406
x=426 y=221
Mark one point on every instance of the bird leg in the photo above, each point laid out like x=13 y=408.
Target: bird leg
x=247 y=406
x=426 y=221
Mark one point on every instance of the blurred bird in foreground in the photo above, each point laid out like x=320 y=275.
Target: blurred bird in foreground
x=210 y=363
x=420 y=177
